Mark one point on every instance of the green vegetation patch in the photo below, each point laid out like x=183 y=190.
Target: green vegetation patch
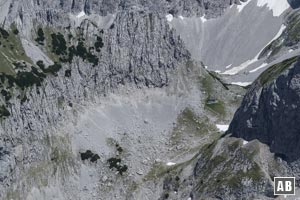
x=99 y=44
x=4 y=112
x=4 y=33
x=293 y=29
x=207 y=83
x=64 y=51
x=25 y=79
x=189 y=123
x=220 y=165
x=11 y=51
x=212 y=103
x=274 y=71
x=89 y=155
x=157 y=170
x=216 y=107
x=40 y=37
x=115 y=163
x=59 y=45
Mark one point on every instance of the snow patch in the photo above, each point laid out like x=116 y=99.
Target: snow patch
x=181 y=17
x=245 y=142
x=258 y=68
x=228 y=66
x=282 y=28
x=277 y=6
x=244 y=65
x=203 y=19
x=103 y=22
x=81 y=14
x=222 y=127
x=218 y=71
x=169 y=17
x=171 y=164
x=243 y=84
x=291 y=50
x=242 y=6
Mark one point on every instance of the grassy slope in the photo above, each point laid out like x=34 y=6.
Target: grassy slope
x=11 y=50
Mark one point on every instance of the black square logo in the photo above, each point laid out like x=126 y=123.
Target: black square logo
x=284 y=186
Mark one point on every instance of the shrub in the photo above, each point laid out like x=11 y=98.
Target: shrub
x=41 y=64
x=68 y=73
x=4 y=112
x=15 y=31
x=59 y=45
x=53 y=69
x=116 y=164
x=40 y=37
x=89 y=155
x=4 y=33
x=99 y=44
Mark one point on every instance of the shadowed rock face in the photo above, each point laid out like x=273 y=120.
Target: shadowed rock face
x=294 y=3
x=270 y=112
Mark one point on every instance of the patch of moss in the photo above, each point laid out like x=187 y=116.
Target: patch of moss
x=13 y=195
x=207 y=84
x=189 y=123
x=217 y=107
x=220 y=166
x=158 y=170
x=274 y=71
x=254 y=173
x=59 y=156
x=11 y=51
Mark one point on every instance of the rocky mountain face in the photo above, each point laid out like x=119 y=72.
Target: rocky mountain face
x=294 y=3
x=270 y=110
x=73 y=53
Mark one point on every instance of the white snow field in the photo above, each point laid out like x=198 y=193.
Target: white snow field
x=244 y=31
x=277 y=6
